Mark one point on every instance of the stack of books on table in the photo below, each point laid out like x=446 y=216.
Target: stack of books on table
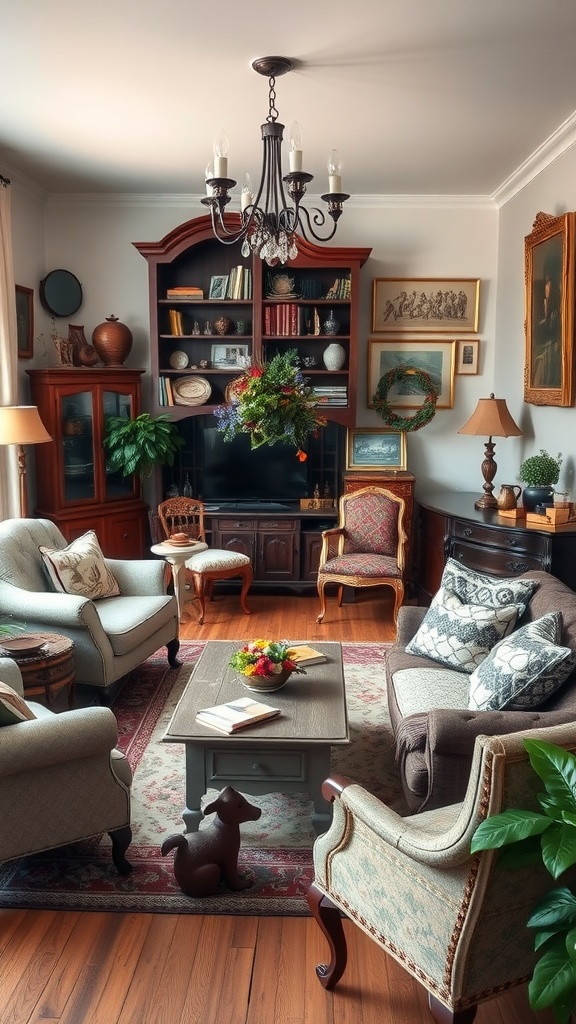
x=336 y=394
x=236 y=714
x=305 y=655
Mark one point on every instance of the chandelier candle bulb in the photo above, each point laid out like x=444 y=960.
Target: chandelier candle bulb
x=295 y=154
x=334 y=173
x=221 y=156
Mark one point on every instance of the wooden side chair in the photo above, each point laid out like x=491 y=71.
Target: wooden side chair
x=367 y=548
x=186 y=515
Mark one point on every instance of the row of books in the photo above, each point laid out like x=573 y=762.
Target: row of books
x=239 y=283
x=165 y=394
x=176 y=322
x=341 y=289
x=333 y=396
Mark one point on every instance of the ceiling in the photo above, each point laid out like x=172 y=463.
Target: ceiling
x=420 y=97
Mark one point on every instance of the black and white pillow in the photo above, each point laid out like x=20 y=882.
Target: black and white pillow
x=458 y=634
x=524 y=669
x=477 y=588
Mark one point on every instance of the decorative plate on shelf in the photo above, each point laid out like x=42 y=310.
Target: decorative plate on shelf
x=21 y=646
x=231 y=389
x=191 y=391
x=179 y=360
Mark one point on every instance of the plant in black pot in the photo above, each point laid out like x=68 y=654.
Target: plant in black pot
x=539 y=473
x=138 y=445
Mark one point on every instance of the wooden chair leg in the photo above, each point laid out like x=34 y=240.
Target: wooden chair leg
x=398 y=599
x=328 y=917
x=322 y=596
x=442 y=1015
x=247 y=575
x=199 y=584
x=340 y=595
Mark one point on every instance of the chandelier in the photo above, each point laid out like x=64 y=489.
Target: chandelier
x=269 y=223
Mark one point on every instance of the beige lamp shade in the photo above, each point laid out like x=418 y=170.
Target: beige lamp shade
x=20 y=425
x=490 y=418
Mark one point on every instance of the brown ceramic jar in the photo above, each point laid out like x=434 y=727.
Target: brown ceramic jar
x=112 y=341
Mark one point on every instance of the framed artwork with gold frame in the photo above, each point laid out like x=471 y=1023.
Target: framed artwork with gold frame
x=437 y=358
x=375 y=449
x=549 y=310
x=425 y=305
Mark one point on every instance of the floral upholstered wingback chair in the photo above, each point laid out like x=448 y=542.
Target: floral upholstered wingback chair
x=367 y=548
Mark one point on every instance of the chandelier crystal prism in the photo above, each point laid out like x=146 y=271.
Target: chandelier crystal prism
x=270 y=223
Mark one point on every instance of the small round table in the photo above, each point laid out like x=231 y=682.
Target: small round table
x=176 y=555
x=50 y=669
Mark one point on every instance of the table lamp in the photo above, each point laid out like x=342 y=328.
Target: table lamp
x=491 y=417
x=20 y=425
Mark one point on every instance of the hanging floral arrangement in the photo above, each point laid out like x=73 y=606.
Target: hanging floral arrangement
x=271 y=403
x=423 y=415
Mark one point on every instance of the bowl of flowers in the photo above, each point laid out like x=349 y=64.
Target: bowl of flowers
x=264 y=664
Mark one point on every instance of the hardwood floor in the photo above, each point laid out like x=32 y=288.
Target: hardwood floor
x=95 y=968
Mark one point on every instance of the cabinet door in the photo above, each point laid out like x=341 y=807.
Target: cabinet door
x=232 y=539
x=117 y=402
x=124 y=534
x=277 y=556
x=76 y=415
x=311 y=555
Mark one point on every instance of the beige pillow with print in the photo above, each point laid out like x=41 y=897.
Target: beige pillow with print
x=12 y=708
x=80 y=569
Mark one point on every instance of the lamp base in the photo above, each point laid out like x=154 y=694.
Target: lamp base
x=486 y=501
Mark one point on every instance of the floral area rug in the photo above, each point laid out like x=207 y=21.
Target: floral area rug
x=276 y=850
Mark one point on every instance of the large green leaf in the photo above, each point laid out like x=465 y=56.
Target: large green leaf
x=557 y=769
x=553 y=981
x=508 y=827
x=556 y=909
x=559 y=848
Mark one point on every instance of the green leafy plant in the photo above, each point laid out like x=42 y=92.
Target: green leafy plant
x=138 y=445
x=264 y=658
x=550 y=837
x=7 y=629
x=540 y=470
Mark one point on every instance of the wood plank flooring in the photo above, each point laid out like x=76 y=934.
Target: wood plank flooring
x=61 y=967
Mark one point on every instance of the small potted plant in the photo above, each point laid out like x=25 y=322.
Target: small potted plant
x=138 y=445
x=540 y=473
x=265 y=664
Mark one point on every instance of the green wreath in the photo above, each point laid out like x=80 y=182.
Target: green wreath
x=423 y=415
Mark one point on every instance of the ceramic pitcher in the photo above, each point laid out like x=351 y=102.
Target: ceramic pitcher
x=508 y=497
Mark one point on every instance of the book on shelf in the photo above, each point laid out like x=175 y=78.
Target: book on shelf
x=176 y=322
x=305 y=655
x=236 y=714
x=169 y=392
x=185 y=292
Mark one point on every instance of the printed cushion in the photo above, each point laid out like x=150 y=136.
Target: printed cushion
x=366 y=566
x=524 y=669
x=12 y=708
x=459 y=634
x=80 y=569
x=476 y=588
x=372 y=524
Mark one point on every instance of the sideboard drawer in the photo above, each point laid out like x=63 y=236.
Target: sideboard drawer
x=235 y=524
x=496 y=561
x=256 y=765
x=509 y=540
x=279 y=525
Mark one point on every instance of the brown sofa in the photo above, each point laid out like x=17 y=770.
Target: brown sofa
x=433 y=729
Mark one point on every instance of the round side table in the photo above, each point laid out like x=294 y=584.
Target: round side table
x=50 y=669
x=176 y=556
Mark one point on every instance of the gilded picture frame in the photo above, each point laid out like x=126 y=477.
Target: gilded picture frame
x=425 y=305
x=549 y=311
x=375 y=449
x=25 y=321
x=435 y=357
x=467 y=355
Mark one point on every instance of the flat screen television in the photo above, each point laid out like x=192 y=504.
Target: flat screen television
x=235 y=473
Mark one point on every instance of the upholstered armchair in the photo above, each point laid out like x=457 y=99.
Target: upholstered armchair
x=367 y=548
x=61 y=777
x=112 y=635
x=455 y=922
x=186 y=515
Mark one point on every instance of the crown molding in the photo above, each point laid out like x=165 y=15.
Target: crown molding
x=554 y=147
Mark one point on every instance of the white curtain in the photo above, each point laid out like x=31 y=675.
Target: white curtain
x=9 y=485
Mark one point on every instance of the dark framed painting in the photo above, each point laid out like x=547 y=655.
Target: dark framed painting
x=420 y=305
x=25 y=321
x=549 y=324
x=436 y=358
x=375 y=449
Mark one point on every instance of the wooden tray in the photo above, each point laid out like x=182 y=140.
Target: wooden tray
x=21 y=646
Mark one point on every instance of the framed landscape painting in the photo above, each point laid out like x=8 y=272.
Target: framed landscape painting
x=549 y=325
x=436 y=358
x=420 y=305
x=376 y=449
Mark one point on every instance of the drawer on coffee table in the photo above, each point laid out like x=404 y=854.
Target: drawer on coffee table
x=239 y=765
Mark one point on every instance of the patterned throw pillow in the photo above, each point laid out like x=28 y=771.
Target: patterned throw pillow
x=524 y=669
x=459 y=634
x=476 y=588
x=12 y=708
x=80 y=569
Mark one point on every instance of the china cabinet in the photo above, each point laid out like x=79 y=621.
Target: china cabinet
x=73 y=488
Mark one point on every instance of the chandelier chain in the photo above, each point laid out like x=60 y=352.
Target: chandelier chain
x=272 y=111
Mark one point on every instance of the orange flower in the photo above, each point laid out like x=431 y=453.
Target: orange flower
x=301 y=456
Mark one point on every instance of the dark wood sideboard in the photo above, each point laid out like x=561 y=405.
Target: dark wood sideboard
x=448 y=525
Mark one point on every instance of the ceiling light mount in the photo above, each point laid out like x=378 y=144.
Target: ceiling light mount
x=269 y=223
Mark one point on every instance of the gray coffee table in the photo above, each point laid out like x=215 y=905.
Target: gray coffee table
x=287 y=754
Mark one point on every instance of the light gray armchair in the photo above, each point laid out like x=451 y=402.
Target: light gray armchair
x=61 y=779
x=112 y=635
x=455 y=922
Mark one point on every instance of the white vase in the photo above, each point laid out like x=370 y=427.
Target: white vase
x=334 y=356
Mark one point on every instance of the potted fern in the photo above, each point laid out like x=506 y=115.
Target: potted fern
x=540 y=473
x=136 y=446
x=550 y=837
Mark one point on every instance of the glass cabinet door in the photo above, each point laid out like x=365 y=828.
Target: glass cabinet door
x=114 y=403
x=77 y=426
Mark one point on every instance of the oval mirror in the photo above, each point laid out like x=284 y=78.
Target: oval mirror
x=61 y=293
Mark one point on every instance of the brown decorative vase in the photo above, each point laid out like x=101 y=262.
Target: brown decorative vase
x=266 y=684
x=112 y=341
x=222 y=325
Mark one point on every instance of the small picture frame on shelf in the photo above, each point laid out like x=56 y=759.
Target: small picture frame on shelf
x=375 y=449
x=230 y=357
x=218 y=286
x=467 y=352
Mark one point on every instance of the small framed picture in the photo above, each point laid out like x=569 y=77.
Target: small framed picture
x=218 y=286
x=25 y=321
x=420 y=305
x=375 y=449
x=230 y=357
x=467 y=355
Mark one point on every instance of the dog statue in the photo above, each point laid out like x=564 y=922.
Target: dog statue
x=203 y=859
